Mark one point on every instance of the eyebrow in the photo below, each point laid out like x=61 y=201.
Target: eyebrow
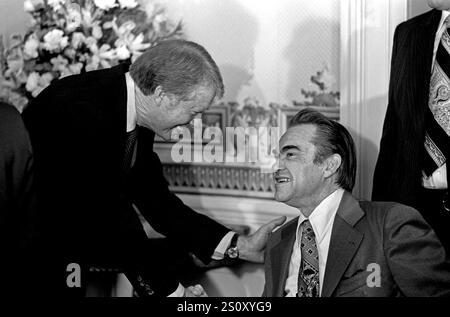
x=289 y=147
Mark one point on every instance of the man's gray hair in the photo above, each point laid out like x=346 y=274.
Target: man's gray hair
x=178 y=66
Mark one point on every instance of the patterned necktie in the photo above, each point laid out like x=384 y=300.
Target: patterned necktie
x=308 y=275
x=130 y=142
x=438 y=118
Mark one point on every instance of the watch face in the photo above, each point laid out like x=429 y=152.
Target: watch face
x=233 y=252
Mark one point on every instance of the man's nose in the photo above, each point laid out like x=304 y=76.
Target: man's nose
x=278 y=165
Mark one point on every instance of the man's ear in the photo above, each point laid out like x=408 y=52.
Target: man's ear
x=158 y=95
x=331 y=165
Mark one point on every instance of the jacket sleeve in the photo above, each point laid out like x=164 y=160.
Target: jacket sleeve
x=166 y=213
x=415 y=256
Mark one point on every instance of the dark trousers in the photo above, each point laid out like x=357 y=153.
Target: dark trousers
x=432 y=209
x=148 y=265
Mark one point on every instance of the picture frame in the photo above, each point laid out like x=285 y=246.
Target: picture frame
x=216 y=116
x=285 y=114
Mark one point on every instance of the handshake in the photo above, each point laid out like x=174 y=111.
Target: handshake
x=195 y=291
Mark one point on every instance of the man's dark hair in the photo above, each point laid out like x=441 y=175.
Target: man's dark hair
x=331 y=138
x=178 y=66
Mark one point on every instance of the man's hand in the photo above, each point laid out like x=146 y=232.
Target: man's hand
x=195 y=291
x=251 y=248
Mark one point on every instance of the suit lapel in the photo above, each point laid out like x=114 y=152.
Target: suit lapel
x=426 y=33
x=280 y=257
x=344 y=242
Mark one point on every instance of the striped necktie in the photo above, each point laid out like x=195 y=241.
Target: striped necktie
x=130 y=142
x=308 y=275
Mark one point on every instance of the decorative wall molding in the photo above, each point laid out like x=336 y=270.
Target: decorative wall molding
x=367 y=29
x=219 y=179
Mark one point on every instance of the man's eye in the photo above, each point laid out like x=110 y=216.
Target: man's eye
x=289 y=154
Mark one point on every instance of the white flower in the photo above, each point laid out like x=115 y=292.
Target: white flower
x=128 y=4
x=32 y=82
x=105 y=4
x=126 y=27
x=71 y=69
x=55 y=4
x=36 y=83
x=78 y=38
x=54 y=40
x=70 y=52
x=59 y=63
x=97 y=32
x=101 y=57
x=87 y=17
x=31 y=46
x=73 y=17
x=15 y=65
x=19 y=101
x=31 y=5
x=136 y=46
x=122 y=52
x=91 y=43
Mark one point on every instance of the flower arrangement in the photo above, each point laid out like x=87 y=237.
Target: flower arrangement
x=321 y=93
x=69 y=37
x=253 y=114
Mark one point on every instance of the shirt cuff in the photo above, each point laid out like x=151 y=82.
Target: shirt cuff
x=219 y=252
x=179 y=292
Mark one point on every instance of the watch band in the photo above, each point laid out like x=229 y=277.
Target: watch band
x=233 y=251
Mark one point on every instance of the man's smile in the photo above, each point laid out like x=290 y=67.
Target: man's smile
x=279 y=179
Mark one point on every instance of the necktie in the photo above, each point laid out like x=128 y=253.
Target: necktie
x=130 y=142
x=308 y=275
x=438 y=117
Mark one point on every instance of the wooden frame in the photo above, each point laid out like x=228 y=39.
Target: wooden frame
x=216 y=116
x=285 y=114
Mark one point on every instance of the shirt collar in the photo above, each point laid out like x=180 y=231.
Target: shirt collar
x=131 y=103
x=323 y=215
x=444 y=16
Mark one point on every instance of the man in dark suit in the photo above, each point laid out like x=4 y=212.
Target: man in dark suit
x=339 y=246
x=17 y=200
x=415 y=144
x=92 y=136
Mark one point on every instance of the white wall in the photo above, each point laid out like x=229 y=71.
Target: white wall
x=265 y=48
x=13 y=19
x=417 y=7
x=367 y=29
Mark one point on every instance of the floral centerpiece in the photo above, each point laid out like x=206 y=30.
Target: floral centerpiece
x=320 y=93
x=69 y=37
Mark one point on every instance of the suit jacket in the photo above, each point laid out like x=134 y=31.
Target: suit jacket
x=369 y=237
x=17 y=195
x=17 y=202
x=398 y=173
x=77 y=127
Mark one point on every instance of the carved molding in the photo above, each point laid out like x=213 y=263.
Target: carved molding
x=219 y=179
x=367 y=29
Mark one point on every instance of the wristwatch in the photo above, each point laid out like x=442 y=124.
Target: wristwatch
x=233 y=251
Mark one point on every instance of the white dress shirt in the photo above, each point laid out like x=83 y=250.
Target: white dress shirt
x=437 y=180
x=219 y=252
x=321 y=219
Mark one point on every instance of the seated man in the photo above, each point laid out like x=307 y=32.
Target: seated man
x=339 y=246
